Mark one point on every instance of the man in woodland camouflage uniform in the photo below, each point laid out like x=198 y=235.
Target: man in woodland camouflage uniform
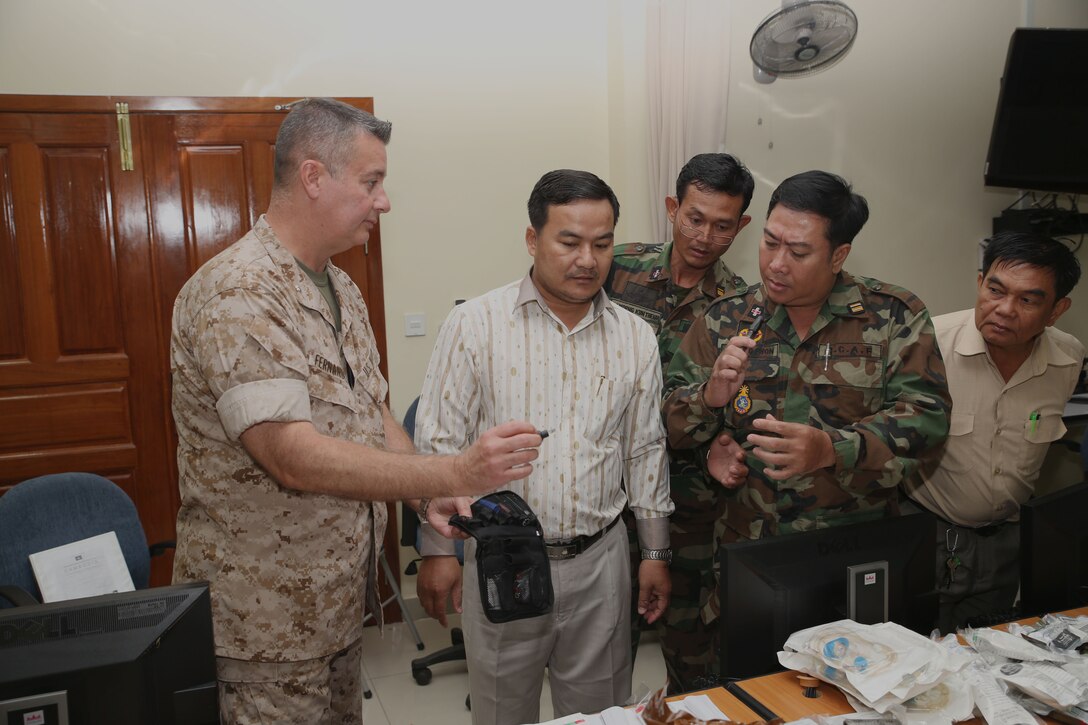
x=838 y=397
x=670 y=286
x=284 y=442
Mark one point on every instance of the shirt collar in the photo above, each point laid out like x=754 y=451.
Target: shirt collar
x=308 y=294
x=1045 y=351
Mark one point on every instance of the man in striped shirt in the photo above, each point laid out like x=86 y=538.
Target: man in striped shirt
x=553 y=350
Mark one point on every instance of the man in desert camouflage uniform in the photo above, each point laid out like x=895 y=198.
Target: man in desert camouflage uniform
x=284 y=441
x=669 y=286
x=840 y=394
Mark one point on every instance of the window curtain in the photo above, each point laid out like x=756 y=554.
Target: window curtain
x=687 y=52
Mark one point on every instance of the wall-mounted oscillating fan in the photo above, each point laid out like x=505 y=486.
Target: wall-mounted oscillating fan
x=801 y=38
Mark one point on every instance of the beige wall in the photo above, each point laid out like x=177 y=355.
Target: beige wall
x=486 y=95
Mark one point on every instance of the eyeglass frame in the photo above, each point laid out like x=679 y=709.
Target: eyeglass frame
x=691 y=232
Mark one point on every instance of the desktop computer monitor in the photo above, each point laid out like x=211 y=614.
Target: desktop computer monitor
x=136 y=657
x=773 y=587
x=1054 y=551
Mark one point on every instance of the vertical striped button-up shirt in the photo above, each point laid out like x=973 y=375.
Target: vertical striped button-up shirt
x=595 y=388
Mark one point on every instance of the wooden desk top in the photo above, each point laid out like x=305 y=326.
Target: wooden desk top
x=733 y=708
x=782 y=694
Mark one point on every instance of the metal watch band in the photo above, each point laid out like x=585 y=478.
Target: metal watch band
x=424 y=503
x=657 y=555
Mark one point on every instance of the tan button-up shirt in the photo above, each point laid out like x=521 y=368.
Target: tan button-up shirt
x=254 y=341
x=997 y=443
x=596 y=389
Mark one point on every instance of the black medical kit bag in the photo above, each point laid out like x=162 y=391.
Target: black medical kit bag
x=514 y=575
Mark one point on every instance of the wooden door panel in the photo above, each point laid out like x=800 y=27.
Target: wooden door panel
x=216 y=201
x=80 y=237
x=12 y=343
x=64 y=416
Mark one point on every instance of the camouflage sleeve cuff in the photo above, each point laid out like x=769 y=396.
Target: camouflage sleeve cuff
x=433 y=543
x=653 y=533
x=689 y=421
x=263 y=401
x=847 y=446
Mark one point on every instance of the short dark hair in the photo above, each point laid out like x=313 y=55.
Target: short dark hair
x=719 y=173
x=566 y=186
x=322 y=129
x=826 y=195
x=1035 y=250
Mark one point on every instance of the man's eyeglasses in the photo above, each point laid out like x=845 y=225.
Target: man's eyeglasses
x=719 y=240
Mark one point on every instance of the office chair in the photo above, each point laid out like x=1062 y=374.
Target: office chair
x=410 y=536
x=49 y=511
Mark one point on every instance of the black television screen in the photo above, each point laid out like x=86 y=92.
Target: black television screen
x=1054 y=551
x=137 y=657
x=1040 y=133
x=773 y=587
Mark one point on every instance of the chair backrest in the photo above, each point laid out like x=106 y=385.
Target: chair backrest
x=53 y=510
x=409 y=523
x=1084 y=451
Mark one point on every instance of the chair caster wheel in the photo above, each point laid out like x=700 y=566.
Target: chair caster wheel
x=422 y=676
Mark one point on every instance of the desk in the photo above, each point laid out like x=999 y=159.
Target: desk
x=733 y=708
x=782 y=695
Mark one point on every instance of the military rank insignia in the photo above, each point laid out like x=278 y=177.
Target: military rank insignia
x=721 y=291
x=856 y=308
x=655 y=273
x=743 y=402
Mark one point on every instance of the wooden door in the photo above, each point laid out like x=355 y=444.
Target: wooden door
x=75 y=336
x=91 y=260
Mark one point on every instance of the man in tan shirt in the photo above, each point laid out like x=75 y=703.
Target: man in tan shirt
x=285 y=446
x=1010 y=374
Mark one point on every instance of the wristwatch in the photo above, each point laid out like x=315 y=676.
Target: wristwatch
x=424 y=503
x=664 y=555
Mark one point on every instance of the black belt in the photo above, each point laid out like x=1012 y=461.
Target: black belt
x=570 y=548
x=984 y=531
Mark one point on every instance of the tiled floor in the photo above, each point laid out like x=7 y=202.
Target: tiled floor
x=398 y=700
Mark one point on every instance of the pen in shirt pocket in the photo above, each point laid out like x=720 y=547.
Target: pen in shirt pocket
x=1034 y=420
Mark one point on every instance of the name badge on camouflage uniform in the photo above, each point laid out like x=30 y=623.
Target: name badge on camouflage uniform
x=743 y=402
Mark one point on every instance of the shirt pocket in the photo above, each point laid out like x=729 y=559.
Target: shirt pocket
x=605 y=407
x=956 y=457
x=1036 y=440
x=333 y=405
x=844 y=389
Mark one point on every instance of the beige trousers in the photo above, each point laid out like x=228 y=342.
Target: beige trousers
x=584 y=641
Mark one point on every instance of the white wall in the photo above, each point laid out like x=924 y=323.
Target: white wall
x=485 y=95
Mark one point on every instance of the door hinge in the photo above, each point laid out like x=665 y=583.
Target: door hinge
x=124 y=133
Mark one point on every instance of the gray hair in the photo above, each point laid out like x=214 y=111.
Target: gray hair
x=322 y=129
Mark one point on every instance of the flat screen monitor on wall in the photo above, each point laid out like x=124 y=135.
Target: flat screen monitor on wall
x=773 y=587
x=1039 y=139
x=1054 y=551
x=137 y=657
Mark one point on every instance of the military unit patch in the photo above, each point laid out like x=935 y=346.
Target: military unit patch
x=744 y=333
x=743 y=402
